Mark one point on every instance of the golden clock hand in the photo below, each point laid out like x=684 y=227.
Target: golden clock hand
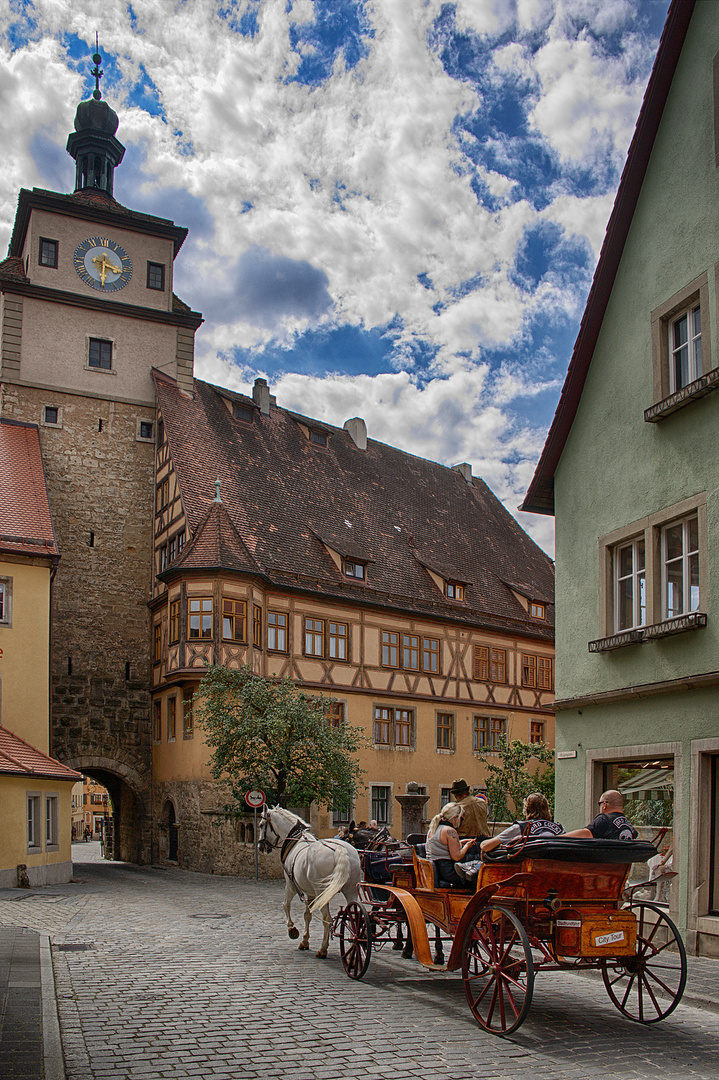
x=104 y=266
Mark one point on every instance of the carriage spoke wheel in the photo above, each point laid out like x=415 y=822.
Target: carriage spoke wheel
x=355 y=940
x=648 y=986
x=498 y=970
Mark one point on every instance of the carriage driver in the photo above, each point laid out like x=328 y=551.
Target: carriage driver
x=610 y=823
x=474 y=819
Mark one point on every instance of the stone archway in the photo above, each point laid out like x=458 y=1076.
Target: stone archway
x=129 y=837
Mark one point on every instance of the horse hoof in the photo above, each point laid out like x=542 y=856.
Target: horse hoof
x=294 y=933
x=321 y=955
x=302 y=945
x=407 y=954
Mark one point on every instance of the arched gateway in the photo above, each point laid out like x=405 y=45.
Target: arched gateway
x=129 y=838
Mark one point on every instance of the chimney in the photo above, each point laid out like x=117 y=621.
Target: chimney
x=357 y=431
x=465 y=470
x=261 y=396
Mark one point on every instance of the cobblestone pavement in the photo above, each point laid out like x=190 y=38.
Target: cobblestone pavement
x=164 y=973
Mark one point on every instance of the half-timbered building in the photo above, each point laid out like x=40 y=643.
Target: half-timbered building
x=400 y=589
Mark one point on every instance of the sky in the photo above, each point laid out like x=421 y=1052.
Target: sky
x=395 y=206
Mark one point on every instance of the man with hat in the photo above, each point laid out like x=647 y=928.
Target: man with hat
x=474 y=819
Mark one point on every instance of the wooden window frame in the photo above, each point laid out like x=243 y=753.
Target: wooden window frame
x=157 y=642
x=243 y=412
x=174 y=634
x=444 y=731
x=402 y=728
x=429 y=653
x=312 y=635
x=234 y=612
x=95 y=344
x=382 y=724
x=454 y=590
x=350 y=569
x=257 y=626
x=335 y=714
x=339 y=639
x=202 y=612
x=397 y=724
x=172 y=718
x=54 y=247
x=492 y=727
x=529 y=670
x=536 y=728
x=545 y=673
x=381 y=819
x=152 y=268
x=538 y=611
x=411 y=648
x=275 y=628
x=317 y=437
x=491 y=660
x=390 y=645
x=694 y=294
x=162 y=496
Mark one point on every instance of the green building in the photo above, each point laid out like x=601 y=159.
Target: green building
x=630 y=470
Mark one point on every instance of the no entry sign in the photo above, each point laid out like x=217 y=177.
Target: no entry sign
x=255 y=798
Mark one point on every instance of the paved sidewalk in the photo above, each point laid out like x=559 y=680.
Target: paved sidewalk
x=163 y=974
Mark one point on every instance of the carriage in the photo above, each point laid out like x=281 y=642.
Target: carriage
x=547 y=905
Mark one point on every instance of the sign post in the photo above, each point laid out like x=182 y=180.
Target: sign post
x=255 y=799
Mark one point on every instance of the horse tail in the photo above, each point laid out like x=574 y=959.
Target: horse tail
x=335 y=882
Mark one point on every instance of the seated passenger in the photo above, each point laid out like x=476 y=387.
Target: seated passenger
x=610 y=823
x=537 y=824
x=443 y=845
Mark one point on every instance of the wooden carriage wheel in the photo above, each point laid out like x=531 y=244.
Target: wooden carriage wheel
x=648 y=986
x=355 y=940
x=498 y=970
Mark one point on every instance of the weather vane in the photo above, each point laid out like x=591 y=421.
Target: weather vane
x=97 y=60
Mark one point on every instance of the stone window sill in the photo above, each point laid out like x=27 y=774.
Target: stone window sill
x=697 y=389
x=694 y=621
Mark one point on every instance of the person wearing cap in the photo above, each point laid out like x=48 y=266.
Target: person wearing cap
x=474 y=818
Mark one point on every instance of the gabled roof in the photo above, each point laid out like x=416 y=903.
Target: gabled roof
x=96 y=206
x=287 y=500
x=25 y=520
x=19 y=758
x=540 y=494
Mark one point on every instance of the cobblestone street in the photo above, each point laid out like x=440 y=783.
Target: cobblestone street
x=164 y=973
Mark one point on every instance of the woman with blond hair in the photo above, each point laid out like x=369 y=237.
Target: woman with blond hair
x=537 y=824
x=443 y=845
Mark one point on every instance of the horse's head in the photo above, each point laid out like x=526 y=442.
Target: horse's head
x=268 y=838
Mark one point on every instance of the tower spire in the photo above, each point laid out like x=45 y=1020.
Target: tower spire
x=92 y=144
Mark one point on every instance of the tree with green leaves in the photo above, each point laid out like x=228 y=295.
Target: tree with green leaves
x=269 y=734
x=509 y=780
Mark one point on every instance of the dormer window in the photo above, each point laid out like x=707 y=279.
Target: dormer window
x=538 y=611
x=242 y=412
x=353 y=569
x=319 y=438
x=453 y=590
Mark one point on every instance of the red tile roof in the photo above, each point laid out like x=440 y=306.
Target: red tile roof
x=12 y=269
x=285 y=500
x=540 y=494
x=19 y=758
x=25 y=519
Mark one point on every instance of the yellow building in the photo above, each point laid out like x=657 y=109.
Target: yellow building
x=35 y=790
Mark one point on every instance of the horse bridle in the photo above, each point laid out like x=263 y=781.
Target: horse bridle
x=266 y=845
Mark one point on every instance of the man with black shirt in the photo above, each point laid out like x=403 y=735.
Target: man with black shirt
x=610 y=823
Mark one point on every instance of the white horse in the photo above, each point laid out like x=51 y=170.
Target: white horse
x=314 y=869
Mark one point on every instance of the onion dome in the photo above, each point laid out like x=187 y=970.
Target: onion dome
x=92 y=144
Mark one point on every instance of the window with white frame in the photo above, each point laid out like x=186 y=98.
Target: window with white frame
x=5 y=601
x=630 y=585
x=654 y=572
x=680 y=567
x=52 y=838
x=34 y=823
x=685 y=348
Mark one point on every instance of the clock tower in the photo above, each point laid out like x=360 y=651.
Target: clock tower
x=87 y=310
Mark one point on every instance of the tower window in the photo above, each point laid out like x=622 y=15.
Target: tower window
x=100 y=354
x=48 y=253
x=156 y=276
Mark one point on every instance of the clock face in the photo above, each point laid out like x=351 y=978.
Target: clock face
x=102 y=264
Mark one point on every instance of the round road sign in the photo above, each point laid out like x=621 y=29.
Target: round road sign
x=255 y=798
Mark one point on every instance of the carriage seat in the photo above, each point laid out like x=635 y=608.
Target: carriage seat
x=427 y=873
x=575 y=849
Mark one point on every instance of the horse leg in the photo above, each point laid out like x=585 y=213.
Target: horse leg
x=292 y=930
x=438 y=950
x=326 y=926
x=305 y=943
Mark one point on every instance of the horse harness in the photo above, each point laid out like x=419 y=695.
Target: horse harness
x=297 y=832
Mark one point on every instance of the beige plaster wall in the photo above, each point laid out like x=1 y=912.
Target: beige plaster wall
x=55 y=346
x=13 y=835
x=70 y=231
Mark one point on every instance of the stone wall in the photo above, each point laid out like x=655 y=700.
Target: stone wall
x=208 y=841
x=100 y=479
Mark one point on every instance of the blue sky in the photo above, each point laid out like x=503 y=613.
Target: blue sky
x=395 y=206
